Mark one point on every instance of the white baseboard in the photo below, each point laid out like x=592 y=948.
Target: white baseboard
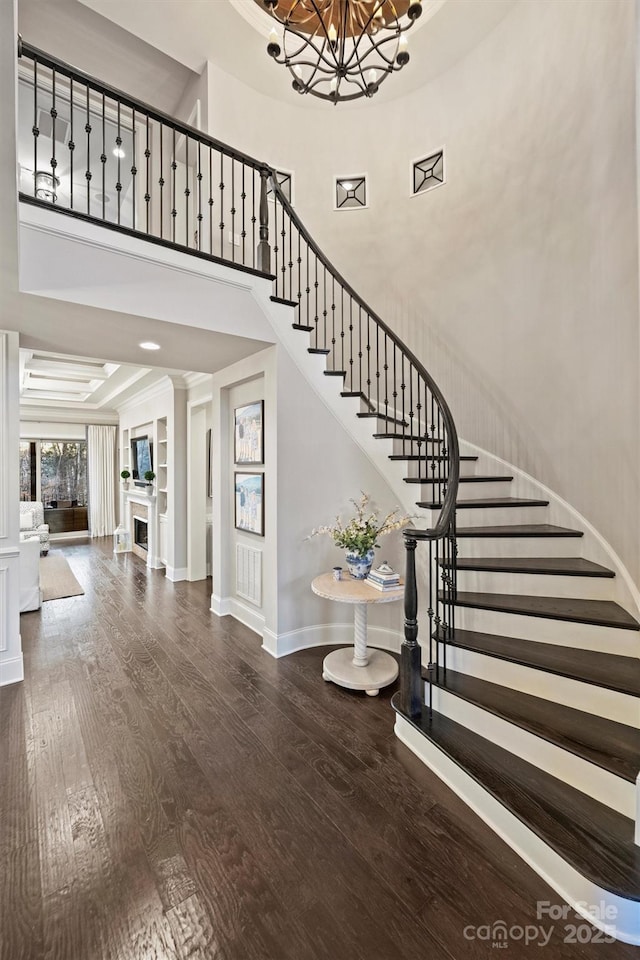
x=232 y=607
x=175 y=574
x=11 y=670
x=324 y=635
x=575 y=889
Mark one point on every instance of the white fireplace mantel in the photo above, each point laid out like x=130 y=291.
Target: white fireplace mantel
x=138 y=495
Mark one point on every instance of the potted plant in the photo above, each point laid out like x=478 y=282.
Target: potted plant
x=125 y=479
x=359 y=535
x=149 y=477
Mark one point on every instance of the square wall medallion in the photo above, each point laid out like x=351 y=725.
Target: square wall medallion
x=428 y=173
x=285 y=182
x=351 y=193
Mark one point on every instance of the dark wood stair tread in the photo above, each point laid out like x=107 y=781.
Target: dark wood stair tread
x=324 y=351
x=546 y=566
x=495 y=479
x=603 y=613
x=285 y=301
x=302 y=326
x=381 y=416
x=405 y=436
x=335 y=373
x=596 y=840
x=422 y=456
x=519 y=530
x=612 y=746
x=607 y=670
x=488 y=503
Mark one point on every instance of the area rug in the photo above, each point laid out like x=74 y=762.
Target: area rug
x=57 y=579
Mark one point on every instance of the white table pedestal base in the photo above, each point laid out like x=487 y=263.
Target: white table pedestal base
x=380 y=671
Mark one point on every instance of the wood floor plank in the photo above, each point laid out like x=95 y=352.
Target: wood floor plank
x=174 y=793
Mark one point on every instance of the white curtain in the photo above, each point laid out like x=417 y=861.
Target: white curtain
x=101 y=465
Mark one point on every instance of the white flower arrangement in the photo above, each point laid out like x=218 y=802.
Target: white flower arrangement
x=360 y=534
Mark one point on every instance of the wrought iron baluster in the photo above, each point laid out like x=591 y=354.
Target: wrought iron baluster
x=187 y=193
x=210 y=201
x=103 y=159
x=54 y=114
x=118 y=158
x=233 y=210
x=35 y=130
x=161 y=180
x=174 y=198
x=147 y=194
x=71 y=144
x=87 y=130
x=134 y=169
x=199 y=179
x=243 y=197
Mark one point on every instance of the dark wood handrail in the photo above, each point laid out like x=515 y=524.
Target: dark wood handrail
x=448 y=507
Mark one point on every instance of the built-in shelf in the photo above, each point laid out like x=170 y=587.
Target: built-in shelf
x=162 y=478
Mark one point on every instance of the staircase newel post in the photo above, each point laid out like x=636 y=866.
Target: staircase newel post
x=264 y=250
x=410 y=658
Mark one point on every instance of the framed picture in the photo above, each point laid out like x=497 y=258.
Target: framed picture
x=248 y=438
x=249 y=498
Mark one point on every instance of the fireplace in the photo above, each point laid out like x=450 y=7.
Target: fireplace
x=140 y=533
x=141 y=526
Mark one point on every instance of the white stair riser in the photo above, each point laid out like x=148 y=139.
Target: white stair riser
x=467 y=491
x=584 y=776
x=497 y=516
x=416 y=468
x=585 y=636
x=517 y=546
x=565 y=879
x=591 y=699
x=537 y=585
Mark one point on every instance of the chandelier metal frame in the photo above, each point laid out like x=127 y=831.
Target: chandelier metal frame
x=341 y=50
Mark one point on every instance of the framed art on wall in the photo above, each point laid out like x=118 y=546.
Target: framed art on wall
x=248 y=433
x=249 y=501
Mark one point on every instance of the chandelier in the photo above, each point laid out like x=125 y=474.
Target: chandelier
x=341 y=49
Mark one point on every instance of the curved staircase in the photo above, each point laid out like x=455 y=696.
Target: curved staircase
x=529 y=702
x=531 y=693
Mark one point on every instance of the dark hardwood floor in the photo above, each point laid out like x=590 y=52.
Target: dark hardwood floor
x=168 y=790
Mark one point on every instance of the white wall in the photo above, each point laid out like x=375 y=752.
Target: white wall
x=517 y=282
x=312 y=468
x=11 y=665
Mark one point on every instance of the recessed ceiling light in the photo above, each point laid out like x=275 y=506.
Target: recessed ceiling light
x=119 y=152
x=149 y=345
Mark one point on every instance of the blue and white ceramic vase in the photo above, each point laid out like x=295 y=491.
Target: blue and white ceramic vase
x=357 y=565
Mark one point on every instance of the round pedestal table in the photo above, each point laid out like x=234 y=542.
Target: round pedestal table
x=357 y=667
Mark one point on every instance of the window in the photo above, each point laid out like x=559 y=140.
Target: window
x=63 y=473
x=28 y=489
x=55 y=472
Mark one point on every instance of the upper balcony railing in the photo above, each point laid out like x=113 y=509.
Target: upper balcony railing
x=94 y=152
x=90 y=151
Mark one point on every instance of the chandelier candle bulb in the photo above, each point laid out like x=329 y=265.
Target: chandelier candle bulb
x=331 y=33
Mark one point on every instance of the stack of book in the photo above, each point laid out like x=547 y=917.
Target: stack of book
x=384 y=578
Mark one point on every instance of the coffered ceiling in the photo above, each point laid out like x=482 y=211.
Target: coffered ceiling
x=65 y=382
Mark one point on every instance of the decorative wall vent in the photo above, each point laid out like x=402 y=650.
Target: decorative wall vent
x=249 y=574
x=428 y=173
x=351 y=193
x=285 y=182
